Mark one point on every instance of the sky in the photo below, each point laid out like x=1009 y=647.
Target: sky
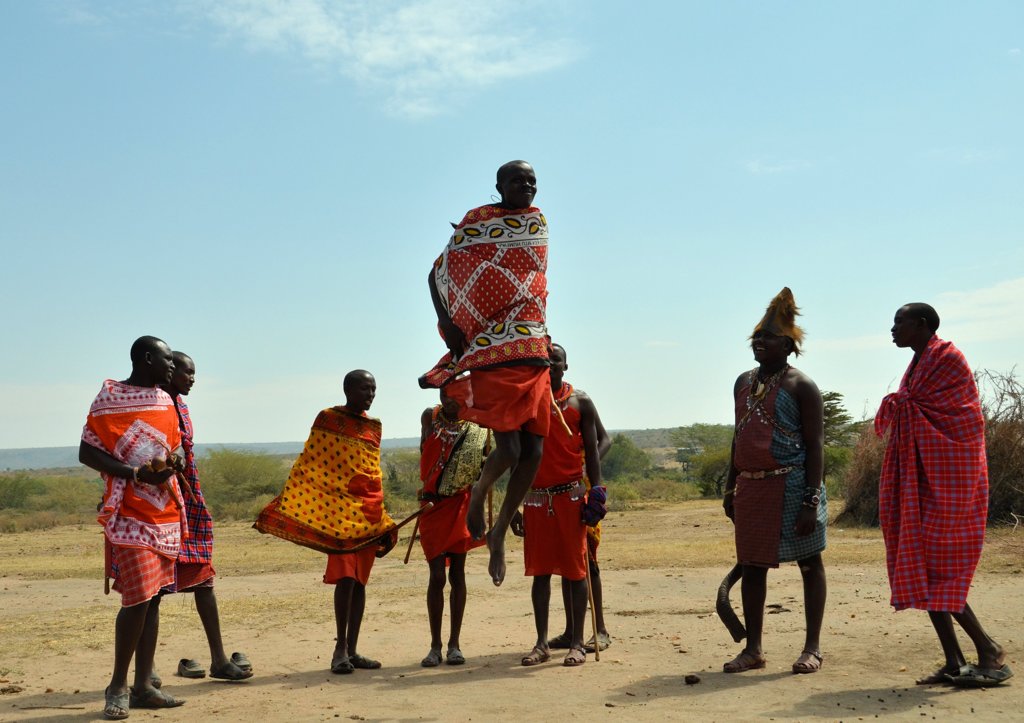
x=265 y=185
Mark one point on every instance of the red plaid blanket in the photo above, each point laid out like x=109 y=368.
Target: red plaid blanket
x=933 y=494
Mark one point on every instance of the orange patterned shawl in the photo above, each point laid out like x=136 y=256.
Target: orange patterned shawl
x=333 y=500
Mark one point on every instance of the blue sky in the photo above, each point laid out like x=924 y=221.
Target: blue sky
x=265 y=184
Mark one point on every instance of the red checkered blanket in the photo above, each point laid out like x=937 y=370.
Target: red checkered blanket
x=933 y=494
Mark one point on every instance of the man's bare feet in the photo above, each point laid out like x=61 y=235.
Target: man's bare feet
x=993 y=658
x=475 y=516
x=496 y=565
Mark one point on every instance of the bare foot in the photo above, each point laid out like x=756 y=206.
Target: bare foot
x=993 y=659
x=475 y=517
x=496 y=565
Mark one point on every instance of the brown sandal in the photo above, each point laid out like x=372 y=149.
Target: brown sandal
x=536 y=657
x=745 y=661
x=812 y=663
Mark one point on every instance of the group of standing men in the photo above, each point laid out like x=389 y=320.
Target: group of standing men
x=502 y=380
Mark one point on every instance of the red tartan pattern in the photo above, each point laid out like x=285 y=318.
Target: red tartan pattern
x=933 y=493
x=198 y=546
x=140 y=574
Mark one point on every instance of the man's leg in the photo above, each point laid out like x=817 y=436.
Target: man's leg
x=754 y=588
x=342 y=607
x=206 y=606
x=578 y=607
x=812 y=570
x=540 y=596
x=990 y=653
x=355 y=615
x=595 y=586
x=457 y=599
x=127 y=632
x=564 y=639
x=146 y=648
x=530 y=448
x=943 y=624
x=435 y=604
x=504 y=455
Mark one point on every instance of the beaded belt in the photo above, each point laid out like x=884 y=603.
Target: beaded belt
x=767 y=473
x=544 y=496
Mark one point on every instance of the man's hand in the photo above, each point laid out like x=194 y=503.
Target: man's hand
x=517 y=524
x=177 y=462
x=595 y=509
x=387 y=543
x=454 y=339
x=727 y=506
x=806 y=521
x=156 y=472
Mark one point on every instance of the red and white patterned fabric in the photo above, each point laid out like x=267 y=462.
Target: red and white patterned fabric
x=141 y=574
x=933 y=494
x=491 y=279
x=136 y=425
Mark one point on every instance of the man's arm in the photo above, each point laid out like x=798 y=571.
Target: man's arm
x=104 y=463
x=812 y=419
x=604 y=442
x=730 y=480
x=591 y=445
x=426 y=425
x=454 y=339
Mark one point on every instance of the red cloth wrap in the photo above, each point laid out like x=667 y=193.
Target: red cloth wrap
x=356 y=565
x=505 y=399
x=140 y=573
x=557 y=544
x=933 y=493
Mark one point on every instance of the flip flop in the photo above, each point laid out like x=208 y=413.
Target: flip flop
x=536 y=657
x=808 y=666
x=115 y=705
x=188 y=668
x=432 y=660
x=560 y=642
x=152 y=698
x=241 y=660
x=971 y=676
x=575 y=657
x=939 y=677
x=342 y=666
x=363 y=663
x=229 y=671
x=743 y=662
x=454 y=656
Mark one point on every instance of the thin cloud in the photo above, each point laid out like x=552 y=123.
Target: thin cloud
x=966 y=156
x=988 y=314
x=761 y=168
x=418 y=55
x=1013 y=52
x=661 y=344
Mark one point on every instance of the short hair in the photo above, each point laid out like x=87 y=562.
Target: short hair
x=180 y=356
x=555 y=345
x=352 y=376
x=142 y=346
x=506 y=168
x=920 y=310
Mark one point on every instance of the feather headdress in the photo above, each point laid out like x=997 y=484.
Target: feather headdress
x=780 y=319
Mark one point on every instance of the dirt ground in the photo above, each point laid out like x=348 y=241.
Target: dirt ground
x=660 y=569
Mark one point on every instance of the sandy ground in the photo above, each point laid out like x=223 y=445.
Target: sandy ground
x=56 y=637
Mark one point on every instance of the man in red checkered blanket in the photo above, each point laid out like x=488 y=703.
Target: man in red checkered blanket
x=933 y=494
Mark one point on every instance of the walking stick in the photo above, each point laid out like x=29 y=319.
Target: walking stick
x=590 y=597
x=724 y=607
x=415 y=529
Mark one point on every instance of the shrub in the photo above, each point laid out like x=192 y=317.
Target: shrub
x=233 y=480
x=710 y=469
x=15 y=490
x=859 y=483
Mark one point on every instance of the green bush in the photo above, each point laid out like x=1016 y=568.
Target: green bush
x=233 y=480
x=624 y=458
x=16 y=489
x=710 y=469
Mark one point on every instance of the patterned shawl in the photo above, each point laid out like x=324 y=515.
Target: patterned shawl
x=933 y=494
x=198 y=546
x=491 y=280
x=333 y=500
x=136 y=425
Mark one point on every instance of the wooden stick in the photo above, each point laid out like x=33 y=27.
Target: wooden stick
x=590 y=597
x=374 y=540
x=415 y=529
x=558 y=411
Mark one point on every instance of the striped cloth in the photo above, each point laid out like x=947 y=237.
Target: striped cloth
x=933 y=493
x=198 y=546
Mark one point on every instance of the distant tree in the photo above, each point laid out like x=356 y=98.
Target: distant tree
x=838 y=431
x=625 y=458
x=705 y=436
x=710 y=469
x=230 y=476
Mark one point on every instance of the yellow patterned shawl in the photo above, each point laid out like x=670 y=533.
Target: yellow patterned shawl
x=333 y=499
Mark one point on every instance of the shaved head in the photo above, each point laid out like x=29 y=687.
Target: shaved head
x=920 y=310
x=144 y=345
